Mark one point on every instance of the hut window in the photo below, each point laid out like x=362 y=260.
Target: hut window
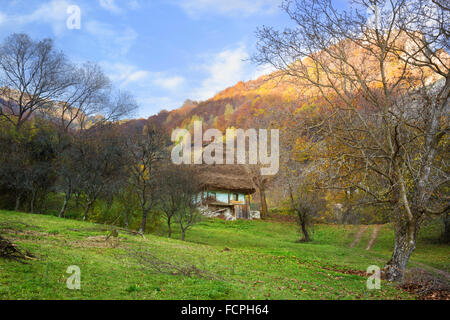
x=236 y=197
x=212 y=196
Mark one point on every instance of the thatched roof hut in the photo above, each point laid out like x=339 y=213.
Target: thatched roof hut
x=225 y=177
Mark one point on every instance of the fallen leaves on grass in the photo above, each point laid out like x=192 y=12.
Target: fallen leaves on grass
x=346 y=271
x=283 y=218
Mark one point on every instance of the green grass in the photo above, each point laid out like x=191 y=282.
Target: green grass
x=233 y=260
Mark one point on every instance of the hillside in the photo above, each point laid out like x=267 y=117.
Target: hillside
x=221 y=260
x=270 y=94
x=233 y=106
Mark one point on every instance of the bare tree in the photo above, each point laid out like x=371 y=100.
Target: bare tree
x=306 y=205
x=86 y=96
x=101 y=164
x=179 y=192
x=170 y=184
x=295 y=180
x=187 y=214
x=69 y=173
x=34 y=77
x=384 y=83
x=32 y=74
x=302 y=201
x=261 y=183
x=146 y=151
x=113 y=107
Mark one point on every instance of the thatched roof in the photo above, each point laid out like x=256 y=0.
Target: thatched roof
x=225 y=177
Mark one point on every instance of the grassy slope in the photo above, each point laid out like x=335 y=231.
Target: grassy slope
x=261 y=261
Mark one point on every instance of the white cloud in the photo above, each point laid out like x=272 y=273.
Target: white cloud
x=126 y=74
x=158 y=103
x=2 y=18
x=228 y=7
x=169 y=83
x=125 y=39
x=263 y=70
x=138 y=76
x=224 y=69
x=150 y=105
x=134 y=4
x=115 y=42
x=110 y=5
x=163 y=90
x=53 y=13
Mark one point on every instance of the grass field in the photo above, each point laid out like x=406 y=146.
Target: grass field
x=220 y=260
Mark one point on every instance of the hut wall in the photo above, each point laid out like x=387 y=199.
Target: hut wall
x=222 y=196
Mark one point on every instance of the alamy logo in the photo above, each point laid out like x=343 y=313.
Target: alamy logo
x=74 y=281
x=231 y=149
x=74 y=19
x=374 y=280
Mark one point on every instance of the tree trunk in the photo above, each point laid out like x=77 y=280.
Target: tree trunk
x=33 y=201
x=405 y=243
x=346 y=214
x=446 y=235
x=348 y=207
x=17 y=207
x=169 y=225
x=62 y=213
x=262 y=195
x=125 y=218
x=77 y=199
x=306 y=237
x=144 y=221
x=183 y=234
x=86 y=211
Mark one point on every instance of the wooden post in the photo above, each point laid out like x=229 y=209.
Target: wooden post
x=247 y=197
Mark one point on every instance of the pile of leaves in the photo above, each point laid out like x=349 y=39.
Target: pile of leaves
x=339 y=269
x=425 y=286
x=9 y=250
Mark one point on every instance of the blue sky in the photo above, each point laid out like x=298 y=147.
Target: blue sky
x=162 y=51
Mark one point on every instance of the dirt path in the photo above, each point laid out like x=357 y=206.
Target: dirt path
x=358 y=236
x=375 y=233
